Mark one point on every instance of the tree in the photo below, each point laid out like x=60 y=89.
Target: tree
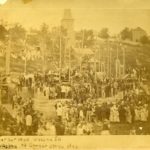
x=126 y=34
x=89 y=38
x=17 y=32
x=32 y=38
x=144 y=40
x=85 y=37
x=52 y=40
x=104 y=33
x=44 y=29
x=3 y=33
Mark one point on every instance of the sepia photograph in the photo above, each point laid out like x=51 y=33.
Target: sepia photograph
x=74 y=68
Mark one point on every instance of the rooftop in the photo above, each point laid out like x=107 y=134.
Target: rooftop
x=67 y=14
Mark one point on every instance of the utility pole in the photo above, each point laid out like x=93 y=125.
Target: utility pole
x=95 y=60
x=69 y=64
x=25 y=61
x=108 y=59
x=65 y=52
x=123 y=61
x=117 y=63
x=52 y=52
x=42 y=45
x=82 y=46
x=110 y=62
x=83 y=39
x=99 y=59
x=8 y=52
x=68 y=47
x=95 y=66
x=97 y=51
x=44 y=58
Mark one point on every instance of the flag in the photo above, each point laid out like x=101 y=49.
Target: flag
x=26 y=1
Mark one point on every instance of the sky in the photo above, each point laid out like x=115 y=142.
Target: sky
x=90 y=14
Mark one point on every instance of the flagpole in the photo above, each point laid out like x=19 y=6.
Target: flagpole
x=25 y=62
x=60 y=56
x=65 y=53
x=43 y=49
x=123 y=61
x=99 y=59
x=83 y=39
x=117 y=61
x=107 y=59
x=110 y=62
x=69 y=63
x=52 y=53
x=8 y=56
x=95 y=63
x=82 y=46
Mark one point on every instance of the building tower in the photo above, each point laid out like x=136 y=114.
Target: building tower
x=67 y=23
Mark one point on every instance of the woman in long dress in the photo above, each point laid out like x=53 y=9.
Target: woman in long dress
x=41 y=131
x=80 y=129
x=114 y=114
x=50 y=128
x=144 y=113
x=137 y=113
x=59 y=111
x=81 y=114
x=38 y=92
x=128 y=114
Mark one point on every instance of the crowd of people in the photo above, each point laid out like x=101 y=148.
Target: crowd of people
x=22 y=119
x=84 y=116
x=84 y=113
x=83 y=84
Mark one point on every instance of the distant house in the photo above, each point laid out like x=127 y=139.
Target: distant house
x=137 y=33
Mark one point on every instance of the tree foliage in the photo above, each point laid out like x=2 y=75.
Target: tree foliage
x=104 y=33
x=85 y=38
x=126 y=33
x=17 y=32
x=3 y=33
x=145 y=40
